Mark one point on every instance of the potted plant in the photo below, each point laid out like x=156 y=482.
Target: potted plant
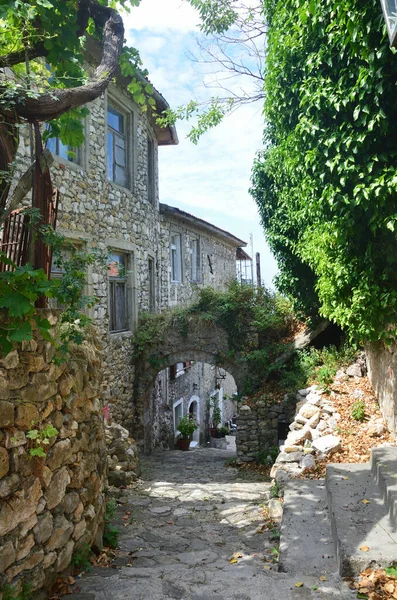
x=186 y=426
x=223 y=432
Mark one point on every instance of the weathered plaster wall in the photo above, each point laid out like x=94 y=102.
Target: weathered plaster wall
x=48 y=510
x=382 y=373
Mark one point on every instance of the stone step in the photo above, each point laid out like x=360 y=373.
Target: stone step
x=362 y=530
x=306 y=544
x=384 y=468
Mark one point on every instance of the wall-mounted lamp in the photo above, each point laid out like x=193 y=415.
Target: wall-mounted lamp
x=390 y=13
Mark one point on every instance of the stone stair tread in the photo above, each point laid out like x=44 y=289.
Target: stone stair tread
x=357 y=524
x=306 y=541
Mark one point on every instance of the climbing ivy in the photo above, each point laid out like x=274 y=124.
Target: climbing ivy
x=326 y=183
x=258 y=323
x=21 y=287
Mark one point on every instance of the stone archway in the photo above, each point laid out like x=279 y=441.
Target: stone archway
x=195 y=339
x=200 y=341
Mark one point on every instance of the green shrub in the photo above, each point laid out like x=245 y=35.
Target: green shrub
x=81 y=558
x=10 y=593
x=358 y=411
x=110 y=532
x=110 y=535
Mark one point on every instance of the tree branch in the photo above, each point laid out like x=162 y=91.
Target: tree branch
x=15 y=58
x=25 y=183
x=50 y=106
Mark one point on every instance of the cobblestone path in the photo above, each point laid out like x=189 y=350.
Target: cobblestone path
x=188 y=516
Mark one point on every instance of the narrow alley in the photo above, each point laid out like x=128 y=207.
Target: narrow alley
x=180 y=528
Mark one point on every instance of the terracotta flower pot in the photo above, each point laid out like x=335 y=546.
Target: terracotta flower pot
x=213 y=432
x=183 y=444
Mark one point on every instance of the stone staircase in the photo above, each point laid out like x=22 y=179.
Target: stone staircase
x=360 y=501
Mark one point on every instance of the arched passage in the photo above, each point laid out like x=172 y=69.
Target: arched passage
x=199 y=341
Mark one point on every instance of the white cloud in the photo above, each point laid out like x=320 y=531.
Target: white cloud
x=210 y=180
x=160 y=15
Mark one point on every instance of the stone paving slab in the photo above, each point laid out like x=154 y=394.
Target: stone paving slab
x=357 y=524
x=306 y=530
x=184 y=553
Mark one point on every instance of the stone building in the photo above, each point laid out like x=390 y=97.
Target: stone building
x=158 y=256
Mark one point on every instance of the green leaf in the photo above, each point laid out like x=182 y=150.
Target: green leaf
x=37 y=452
x=24 y=332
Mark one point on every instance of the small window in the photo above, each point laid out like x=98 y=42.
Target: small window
x=151 y=184
x=194 y=260
x=178 y=414
x=118 y=293
x=176 y=258
x=64 y=151
x=152 y=298
x=117 y=147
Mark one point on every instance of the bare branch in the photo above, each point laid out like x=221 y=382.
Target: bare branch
x=235 y=54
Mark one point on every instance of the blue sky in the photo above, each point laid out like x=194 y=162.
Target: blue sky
x=210 y=180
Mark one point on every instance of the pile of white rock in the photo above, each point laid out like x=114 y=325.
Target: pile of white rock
x=314 y=432
x=123 y=456
x=311 y=432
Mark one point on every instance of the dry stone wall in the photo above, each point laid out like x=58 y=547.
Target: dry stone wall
x=49 y=507
x=258 y=426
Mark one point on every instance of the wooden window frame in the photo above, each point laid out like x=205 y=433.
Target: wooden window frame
x=113 y=282
x=178 y=258
x=125 y=137
x=196 y=261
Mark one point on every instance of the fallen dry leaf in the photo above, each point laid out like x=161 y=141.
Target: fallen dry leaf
x=364 y=548
x=323 y=578
x=365 y=501
x=299 y=584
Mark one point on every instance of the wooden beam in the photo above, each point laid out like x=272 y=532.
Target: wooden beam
x=25 y=184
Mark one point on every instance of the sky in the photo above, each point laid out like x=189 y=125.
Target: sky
x=211 y=179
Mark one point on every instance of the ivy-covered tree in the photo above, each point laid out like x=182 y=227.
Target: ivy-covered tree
x=326 y=183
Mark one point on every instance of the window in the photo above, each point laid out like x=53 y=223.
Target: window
x=152 y=299
x=64 y=151
x=176 y=258
x=178 y=414
x=194 y=260
x=117 y=147
x=118 y=292
x=179 y=369
x=150 y=172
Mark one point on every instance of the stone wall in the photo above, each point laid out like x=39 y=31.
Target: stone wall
x=217 y=264
x=49 y=507
x=258 y=426
x=382 y=373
